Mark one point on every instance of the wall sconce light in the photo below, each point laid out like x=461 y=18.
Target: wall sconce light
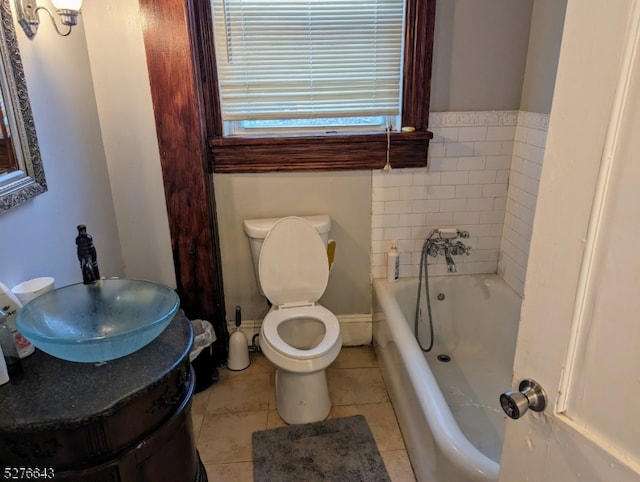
x=29 y=19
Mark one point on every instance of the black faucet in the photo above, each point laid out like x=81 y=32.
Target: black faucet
x=87 y=256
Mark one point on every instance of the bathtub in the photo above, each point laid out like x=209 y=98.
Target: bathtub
x=448 y=412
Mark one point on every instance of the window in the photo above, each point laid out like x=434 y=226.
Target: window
x=348 y=71
x=308 y=66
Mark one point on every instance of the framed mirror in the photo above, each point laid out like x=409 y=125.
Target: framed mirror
x=21 y=172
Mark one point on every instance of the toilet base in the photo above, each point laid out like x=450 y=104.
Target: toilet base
x=302 y=397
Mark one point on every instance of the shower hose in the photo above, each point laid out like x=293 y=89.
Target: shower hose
x=424 y=272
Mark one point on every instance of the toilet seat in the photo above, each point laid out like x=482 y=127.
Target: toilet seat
x=317 y=312
x=293 y=267
x=294 y=271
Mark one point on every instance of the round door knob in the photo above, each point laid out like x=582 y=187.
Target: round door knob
x=530 y=395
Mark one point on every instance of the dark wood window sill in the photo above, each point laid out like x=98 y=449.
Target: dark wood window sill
x=318 y=153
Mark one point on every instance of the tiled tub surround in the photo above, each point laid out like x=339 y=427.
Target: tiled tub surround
x=524 y=179
x=472 y=158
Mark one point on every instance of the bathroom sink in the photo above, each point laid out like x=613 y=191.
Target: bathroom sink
x=108 y=319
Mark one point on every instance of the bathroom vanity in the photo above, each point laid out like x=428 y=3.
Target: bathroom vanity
x=125 y=420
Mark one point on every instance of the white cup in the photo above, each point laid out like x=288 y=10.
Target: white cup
x=28 y=290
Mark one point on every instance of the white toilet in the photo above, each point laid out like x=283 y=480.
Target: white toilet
x=299 y=336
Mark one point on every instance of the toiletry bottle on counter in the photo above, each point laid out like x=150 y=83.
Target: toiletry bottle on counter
x=4 y=374
x=10 y=304
x=9 y=350
x=393 y=263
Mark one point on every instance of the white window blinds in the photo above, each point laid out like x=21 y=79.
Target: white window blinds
x=293 y=59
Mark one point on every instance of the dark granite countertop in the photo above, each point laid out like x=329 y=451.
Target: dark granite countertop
x=53 y=392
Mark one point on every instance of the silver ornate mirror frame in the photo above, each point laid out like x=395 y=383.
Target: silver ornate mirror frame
x=28 y=181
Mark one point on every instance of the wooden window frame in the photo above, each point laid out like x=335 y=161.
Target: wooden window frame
x=327 y=152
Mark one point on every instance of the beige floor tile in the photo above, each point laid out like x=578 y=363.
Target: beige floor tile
x=240 y=392
x=381 y=420
x=356 y=357
x=196 y=420
x=272 y=391
x=350 y=386
x=199 y=401
x=226 y=437
x=259 y=364
x=274 y=420
x=398 y=466
x=236 y=472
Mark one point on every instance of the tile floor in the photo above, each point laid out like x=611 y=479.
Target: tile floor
x=240 y=403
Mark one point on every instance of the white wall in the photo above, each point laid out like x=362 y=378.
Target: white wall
x=38 y=238
x=121 y=80
x=480 y=51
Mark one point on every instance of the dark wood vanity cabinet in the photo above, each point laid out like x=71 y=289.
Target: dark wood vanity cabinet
x=127 y=420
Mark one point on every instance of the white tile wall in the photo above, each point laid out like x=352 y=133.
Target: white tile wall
x=528 y=152
x=464 y=186
x=482 y=175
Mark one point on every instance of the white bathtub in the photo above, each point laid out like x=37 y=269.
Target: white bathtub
x=449 y=412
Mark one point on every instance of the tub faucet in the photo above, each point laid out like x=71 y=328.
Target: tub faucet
x=87 y=256
x=446 y=242
x=451 y=265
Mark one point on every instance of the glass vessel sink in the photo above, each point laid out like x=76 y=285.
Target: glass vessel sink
x=98 y=322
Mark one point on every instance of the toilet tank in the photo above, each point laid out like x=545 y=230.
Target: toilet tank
x=257 y=229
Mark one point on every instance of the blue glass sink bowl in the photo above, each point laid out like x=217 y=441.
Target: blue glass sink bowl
x=109 y=319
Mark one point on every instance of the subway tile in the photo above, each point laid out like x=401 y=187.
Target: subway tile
x=500 y=203
x=425 y=205
x=433 y=179
x=437 y=164
x=469 y=217
x=468 y=191
x=521 y=134
x=488 y=148
x=451 y=205
x=536 y=137
x=507 y=148
x=377 y=207
x=444 y=134
x=480 y=204
x=397 y=207
x=491 y=217
x=467 y=134
x=396 y=178
x=459 y=149
x=494 y=190
x=384 y=220
x=498 y=162
x=482 y=177
x=489 y=242
x=532 y=169
x=475 y=163
x=411 y=220
x=377 y=234
x=413 y=192
x=501 y=133
x=436 y=149
x=533 y=153
x=455 y=177
x=440 y=219
x=397 y=233
x=441 y=192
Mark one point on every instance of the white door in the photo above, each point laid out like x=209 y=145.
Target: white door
x=580 y=324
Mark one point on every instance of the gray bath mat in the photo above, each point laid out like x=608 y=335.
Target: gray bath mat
x=341 y=449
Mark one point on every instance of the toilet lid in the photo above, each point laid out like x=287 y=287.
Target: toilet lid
x=293 y=264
